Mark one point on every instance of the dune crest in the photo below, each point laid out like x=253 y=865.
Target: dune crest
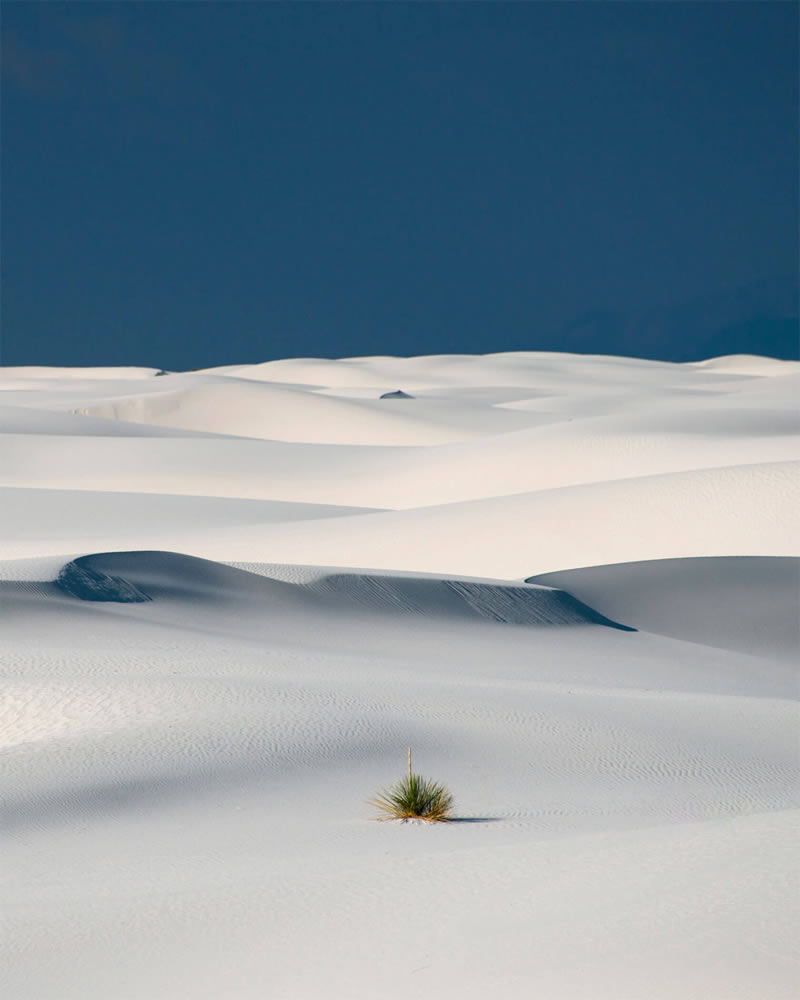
x=136 y=577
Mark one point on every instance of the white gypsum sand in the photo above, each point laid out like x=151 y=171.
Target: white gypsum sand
x=232 y=598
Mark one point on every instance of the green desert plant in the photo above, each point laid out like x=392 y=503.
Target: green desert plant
x=415 y=797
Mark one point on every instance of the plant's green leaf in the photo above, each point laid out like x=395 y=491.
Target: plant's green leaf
x=415 y=797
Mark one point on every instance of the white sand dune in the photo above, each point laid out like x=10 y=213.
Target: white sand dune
x=253 y=409
x=273 y=582
x=38 y=373
x=547 y=457
x=749 y=364
x=748 y=604
x=16 y=420
x=139 y=577
x=93 y=519
x=677 y=515
x=589 y=420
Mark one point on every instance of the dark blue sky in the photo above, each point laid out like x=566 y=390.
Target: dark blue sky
x=194 y=184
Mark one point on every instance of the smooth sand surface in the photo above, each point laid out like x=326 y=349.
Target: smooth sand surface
x=231 y=599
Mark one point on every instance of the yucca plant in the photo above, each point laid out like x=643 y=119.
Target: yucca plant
x=415 y=797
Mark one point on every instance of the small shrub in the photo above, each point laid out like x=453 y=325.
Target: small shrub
x=415 y=797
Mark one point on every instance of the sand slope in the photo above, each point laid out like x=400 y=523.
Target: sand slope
x=747 y=604
x=705 y=512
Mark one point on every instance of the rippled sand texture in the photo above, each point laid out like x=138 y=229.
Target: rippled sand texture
x=231 y=599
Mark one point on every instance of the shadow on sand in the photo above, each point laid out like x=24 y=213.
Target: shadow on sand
x=476 y=819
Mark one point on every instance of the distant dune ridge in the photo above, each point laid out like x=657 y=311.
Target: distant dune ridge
x=232 y=598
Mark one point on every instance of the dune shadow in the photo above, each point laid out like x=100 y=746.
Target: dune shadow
x=476 y=819
x=101 y=798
